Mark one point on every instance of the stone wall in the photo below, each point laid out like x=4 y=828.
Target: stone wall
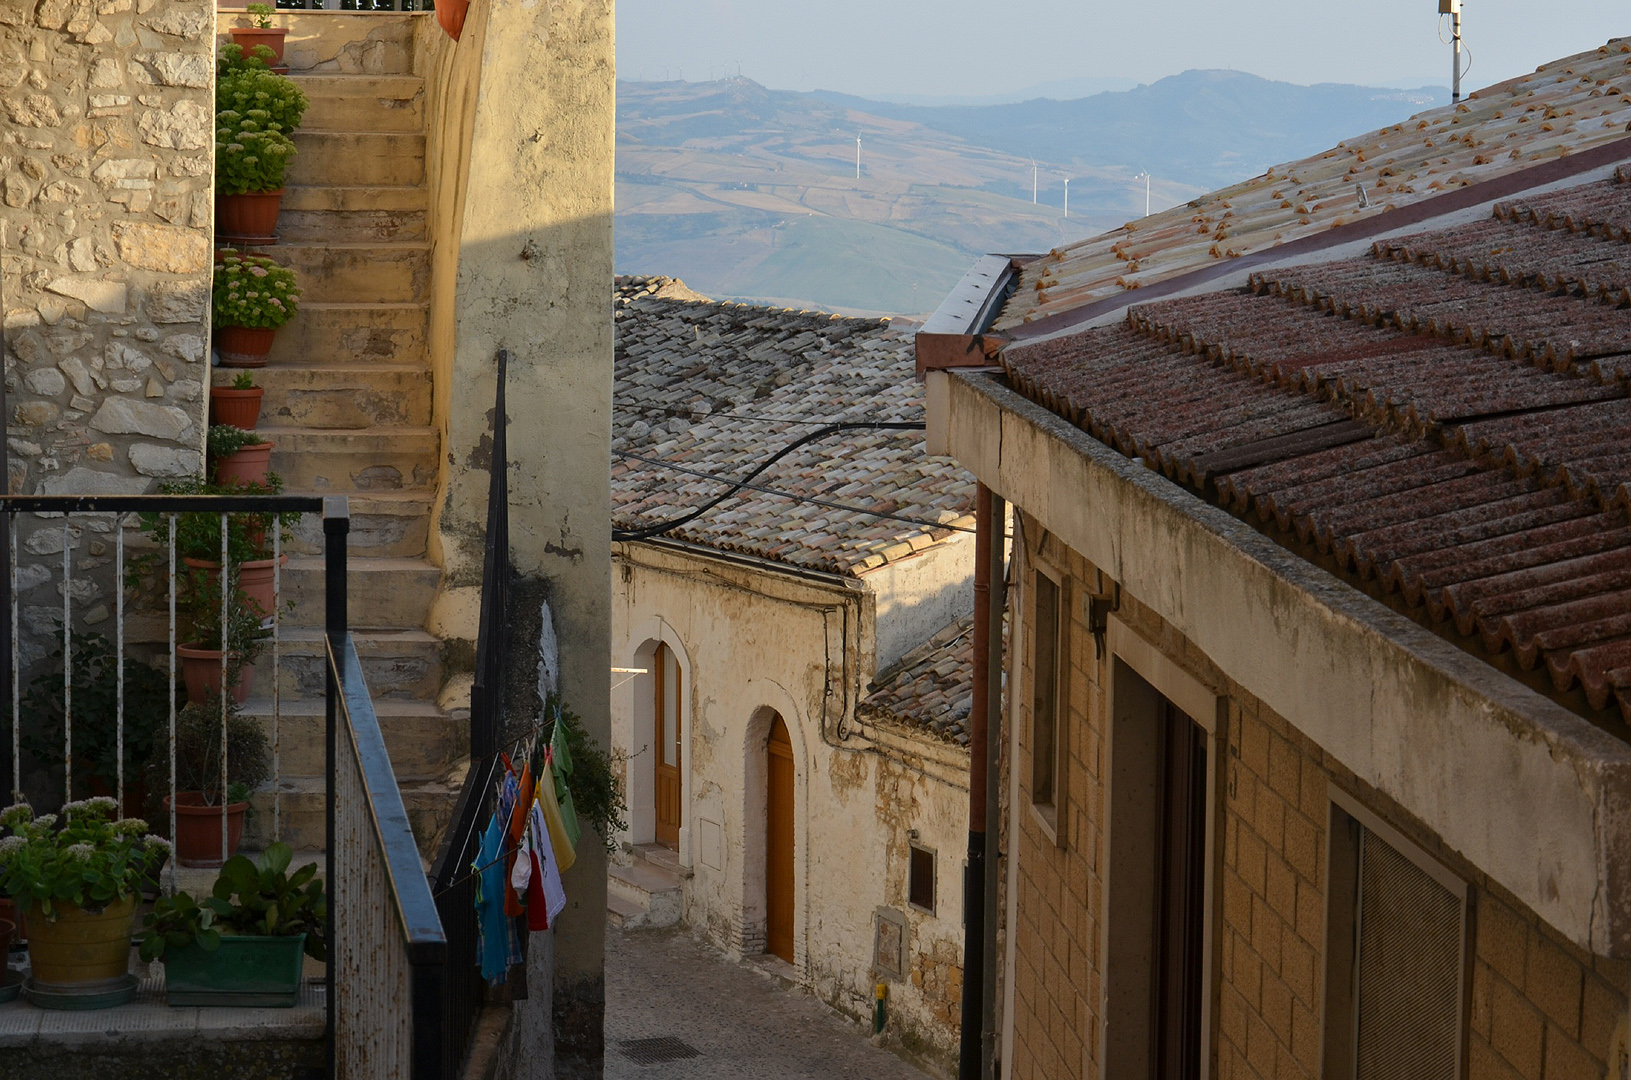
x=106 y=133
x=1541 y=1007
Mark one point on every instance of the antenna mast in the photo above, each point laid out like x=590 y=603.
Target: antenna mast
x=1452 y=8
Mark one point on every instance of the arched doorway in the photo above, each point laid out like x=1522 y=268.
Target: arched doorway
x=779 y=841
x=665 y=739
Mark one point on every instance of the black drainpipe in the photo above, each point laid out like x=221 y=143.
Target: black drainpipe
x=976 y=1036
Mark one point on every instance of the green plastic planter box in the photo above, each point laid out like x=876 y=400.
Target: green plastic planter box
x=245 y=972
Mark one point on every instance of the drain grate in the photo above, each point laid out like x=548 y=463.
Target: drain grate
x=657 y=1051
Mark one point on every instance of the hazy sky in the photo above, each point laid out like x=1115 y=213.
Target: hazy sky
x=975 y=47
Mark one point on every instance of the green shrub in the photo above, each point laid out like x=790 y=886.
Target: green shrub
x=261 y=16
x=245 y=83
x=253 y=291
x=251 y=152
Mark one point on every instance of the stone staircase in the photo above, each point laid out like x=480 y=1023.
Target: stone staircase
x=647 y=892
x=348 y=403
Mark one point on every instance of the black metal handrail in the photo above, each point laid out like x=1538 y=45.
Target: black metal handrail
x=453 y=884
x=409 y=897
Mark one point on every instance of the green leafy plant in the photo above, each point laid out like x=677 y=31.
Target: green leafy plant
x=253 y=899
x=198 y=752
x=224 y=440
x=261 y=16
x=246 y=83
x=95 y=681
x=243 y=381
x=198 y=535
x=596 y=794
x=232 y=58
x=253 y=291
x=84 y=856
x=251 y=152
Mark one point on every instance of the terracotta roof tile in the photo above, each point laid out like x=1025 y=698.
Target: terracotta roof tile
x=1564 y=107
x=1446 y=418
x=717 y=388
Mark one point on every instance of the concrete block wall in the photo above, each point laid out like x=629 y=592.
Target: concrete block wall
x=1541 y=1008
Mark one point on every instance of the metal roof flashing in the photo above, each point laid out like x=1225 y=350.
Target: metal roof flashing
x=954 y=336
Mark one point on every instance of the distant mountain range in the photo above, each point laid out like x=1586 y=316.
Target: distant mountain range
x=752 y=193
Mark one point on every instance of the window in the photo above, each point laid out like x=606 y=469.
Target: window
x=1047 y=699
x=1396 y=933
x=920 y=883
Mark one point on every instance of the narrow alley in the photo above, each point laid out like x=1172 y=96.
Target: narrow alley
x=677 y=1009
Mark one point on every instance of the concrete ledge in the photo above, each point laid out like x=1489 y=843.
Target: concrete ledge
x=1524 y=789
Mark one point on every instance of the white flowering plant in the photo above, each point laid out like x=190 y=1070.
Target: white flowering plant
x=83 y=855
x=253 y=291
x=252 y=151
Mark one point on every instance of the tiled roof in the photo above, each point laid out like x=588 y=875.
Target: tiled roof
x=1445 y=422
x=717 y=388
x=930 y=688
x=1565 y=107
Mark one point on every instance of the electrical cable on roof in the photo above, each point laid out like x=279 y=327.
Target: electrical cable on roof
x=746 y=482
x=811 y=500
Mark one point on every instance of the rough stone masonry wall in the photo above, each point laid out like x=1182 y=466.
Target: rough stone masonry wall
x=106 y=133
x=1542 y=1009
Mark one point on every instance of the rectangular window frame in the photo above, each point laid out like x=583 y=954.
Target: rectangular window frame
x=1208 y=709
x=1339 y=1002
x=915 y=849
x=1050 y=812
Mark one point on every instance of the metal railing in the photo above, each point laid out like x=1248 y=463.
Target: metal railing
x=455 y=887
x=385 y=989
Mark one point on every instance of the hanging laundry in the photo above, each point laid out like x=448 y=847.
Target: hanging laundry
x=515 y=827
x=493 y=927
x=563 y=794
x=546 y=895
x=562 y=843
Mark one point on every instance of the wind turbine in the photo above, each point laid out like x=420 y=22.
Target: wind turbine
x=1067 y=196
x=1033 y=181
x=1146 y=177
x=857 y=155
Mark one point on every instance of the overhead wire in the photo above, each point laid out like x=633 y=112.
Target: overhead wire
x=747 y=482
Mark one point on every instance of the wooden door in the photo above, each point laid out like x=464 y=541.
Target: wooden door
x=666 y=742
x=779 y=843
x=1176 y=1026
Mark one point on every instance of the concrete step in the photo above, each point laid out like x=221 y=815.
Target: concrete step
x=348 y=333
x=379 y=592
x=654 y=890
x=624 y=914
x=386 y=525
x=424 y=740
x=343 y=398
x=363 y=102
x=352 y=214
x=397 y=665
x=334 y=462
x=429 y=804
x=359 y=156
x=333 y=273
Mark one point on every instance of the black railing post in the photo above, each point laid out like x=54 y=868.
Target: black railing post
x=336 y=524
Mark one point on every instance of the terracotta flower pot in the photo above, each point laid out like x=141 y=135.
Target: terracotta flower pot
x=201 y=671
x=240 y=408
x=450 y=15
x=249 y=465
x=198 y=829
x=79 y=949
x=250 y=36
x=255 y=580
x=244 y=346
x=8 y=915
x=251 y=215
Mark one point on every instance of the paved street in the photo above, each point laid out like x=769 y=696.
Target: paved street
x=663 y=985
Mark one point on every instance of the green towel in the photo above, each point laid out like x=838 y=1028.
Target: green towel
x=563 y=794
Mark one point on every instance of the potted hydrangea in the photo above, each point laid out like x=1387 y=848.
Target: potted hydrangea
x=253 y=297
x=75 y=878
x=255 y=111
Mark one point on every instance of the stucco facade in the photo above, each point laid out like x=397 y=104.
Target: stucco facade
x=754 y=639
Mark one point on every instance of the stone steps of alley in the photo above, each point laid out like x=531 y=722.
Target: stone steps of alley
x=348 y=403
x=648 y=891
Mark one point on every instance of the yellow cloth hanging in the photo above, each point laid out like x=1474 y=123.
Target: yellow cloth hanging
x=564 y=855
